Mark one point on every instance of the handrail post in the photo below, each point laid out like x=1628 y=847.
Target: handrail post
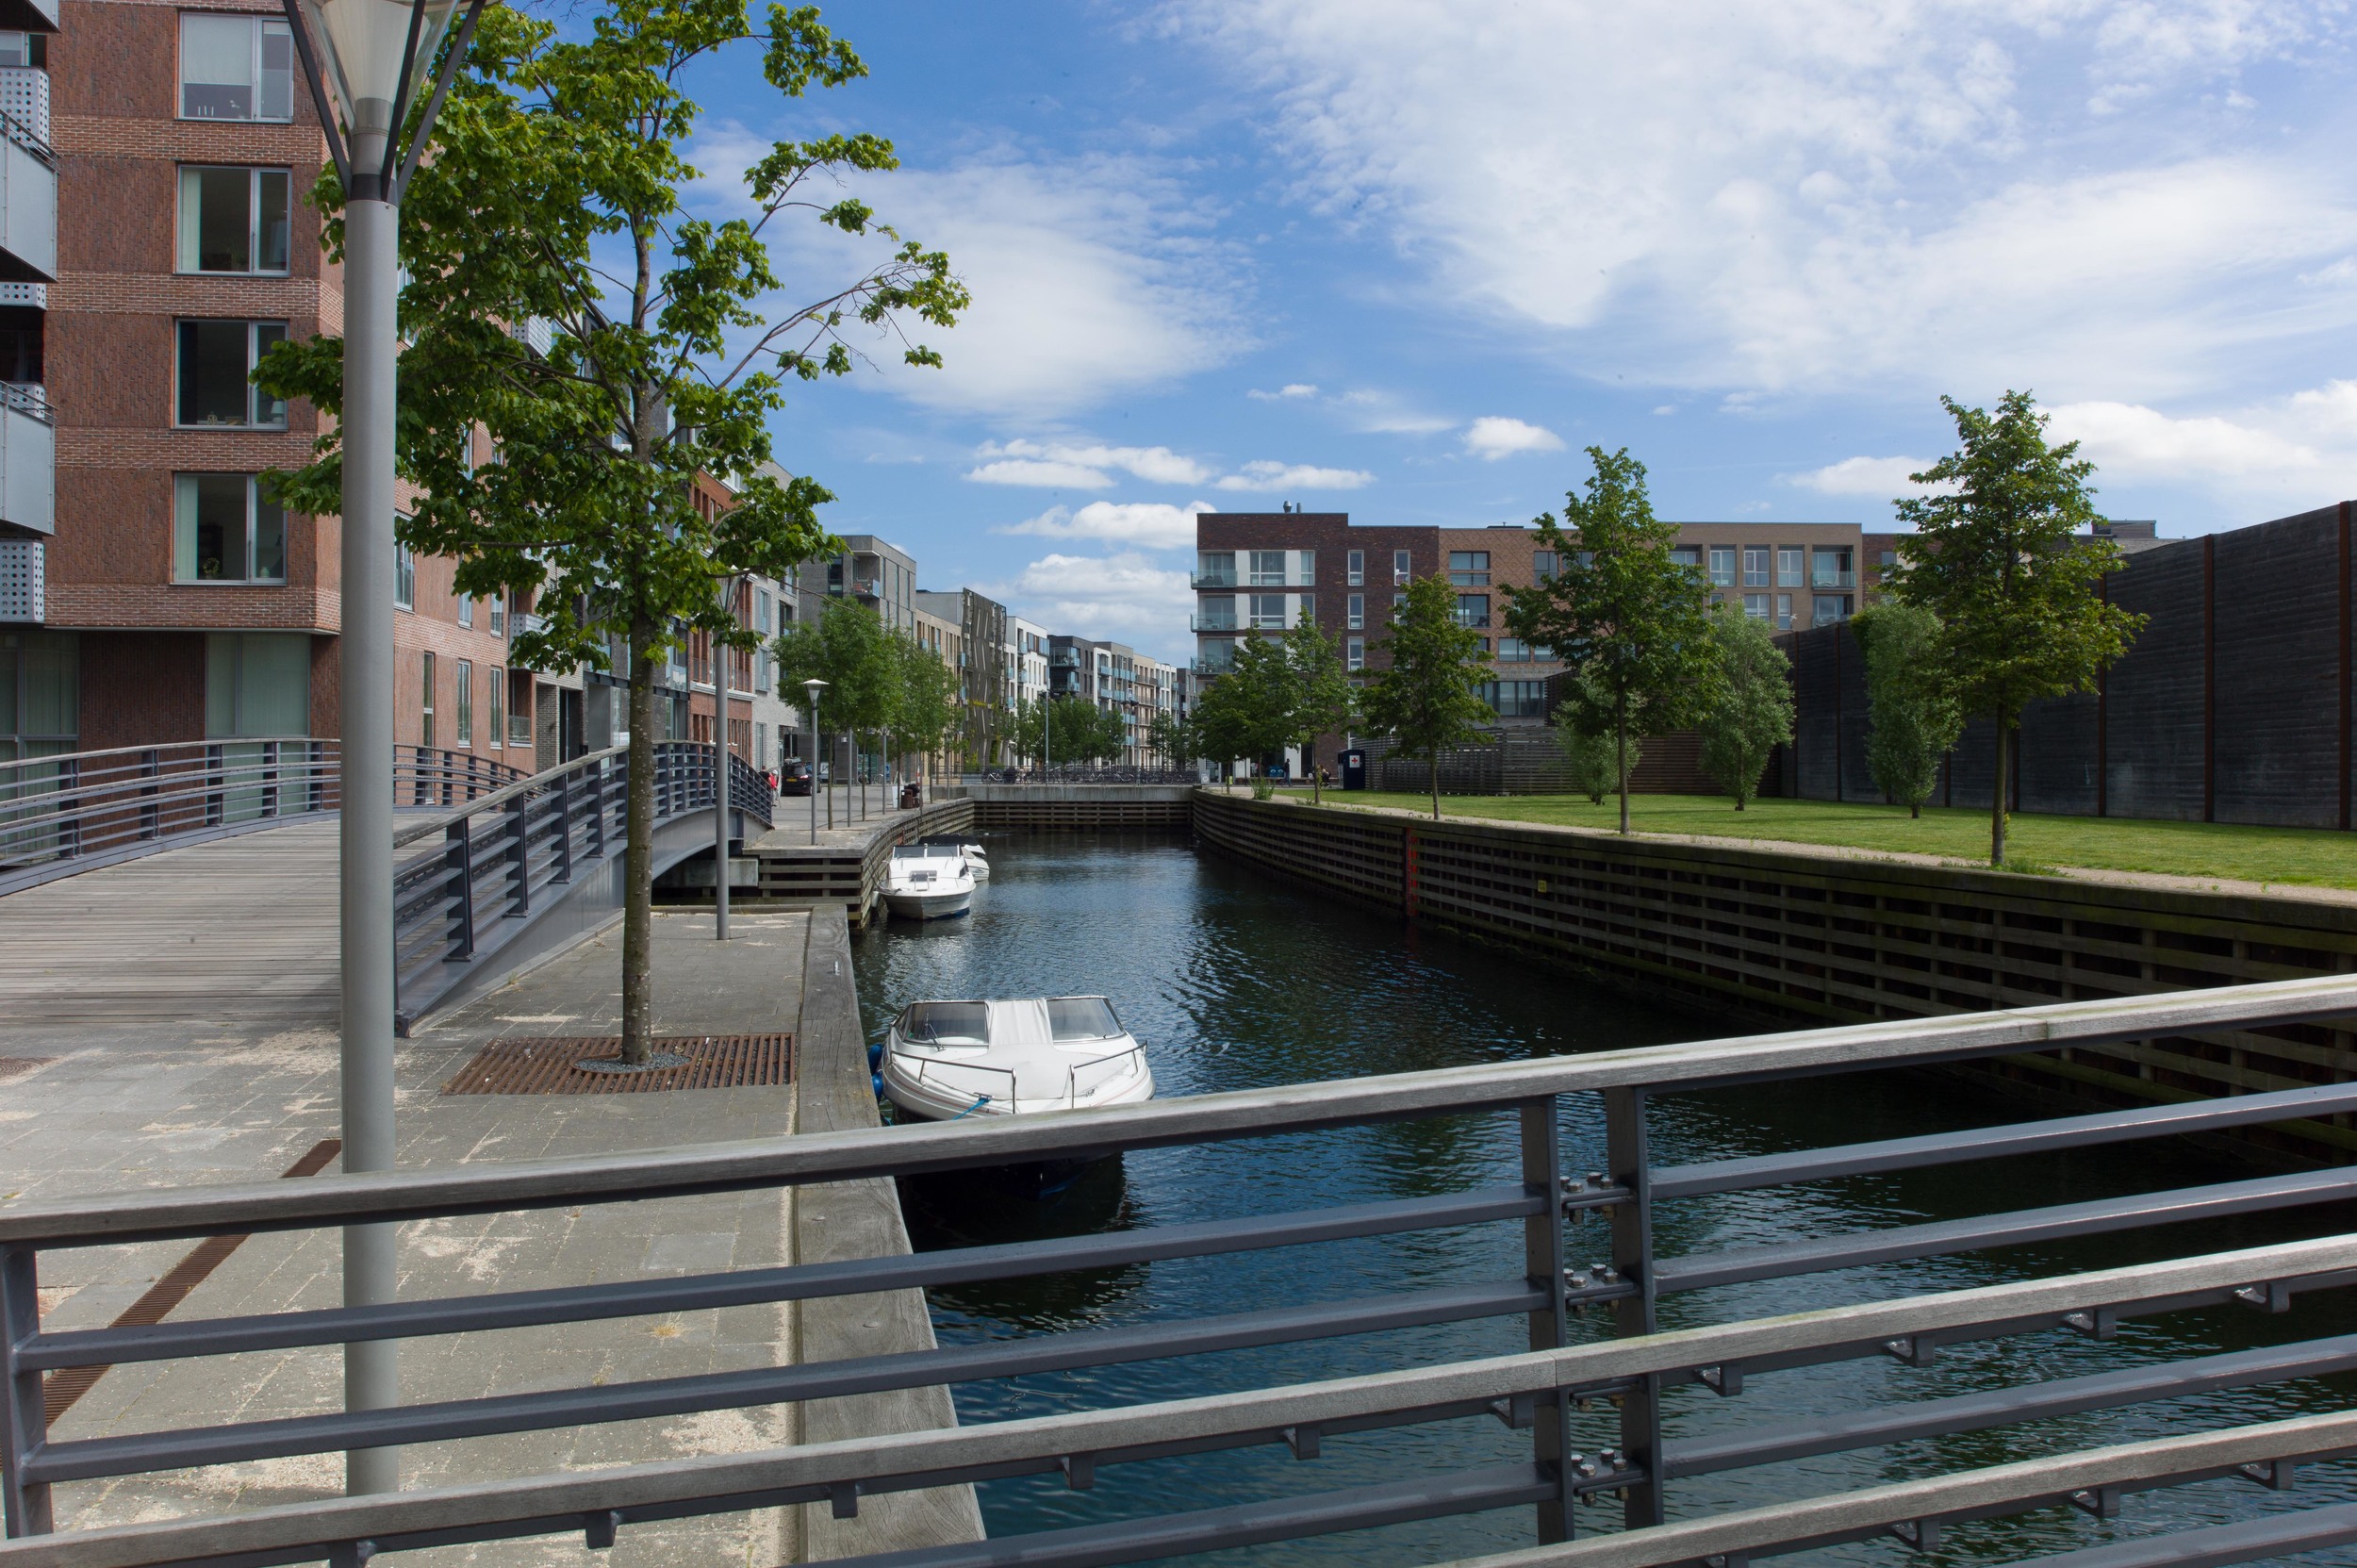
x=1629 y=1158
x=25 y=1413
x=151 y=816
x=564 y=830
x=1543 y=1265
x=318 y=775
x=214 y=786
x=458 y=860
x=69 y=825
x=518 y=857
x=595 y=820
x=269 y=777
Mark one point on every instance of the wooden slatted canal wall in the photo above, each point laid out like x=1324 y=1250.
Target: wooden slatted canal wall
x=1778 y=937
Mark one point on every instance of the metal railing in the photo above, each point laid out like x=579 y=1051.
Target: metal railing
x=464 y=883
x=1087 y=773
x=1556 y=1391
x=68 y=812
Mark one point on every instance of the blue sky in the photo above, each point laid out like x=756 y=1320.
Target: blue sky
x=1406 y=259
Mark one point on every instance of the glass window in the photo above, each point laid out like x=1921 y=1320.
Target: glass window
x=1788 y=566
x=946 y=1023
x=1783 y=612
x=1473 y=609
x=258 y=684
x=1831 y=607
x=1722 y=565
x=1356 y=568
x=225 y=531
x=405 y=576
x=1309 y=568
x=466 y=702
x=1268 y=568
x=1756 y=606
x=1516 y=698
x=1354 y=611
x=425 y=704
x=234 y=220
x=1081 y=1018
x=1216 y=569
x=1542 y=564
x=1354 y=652
x=465 y=609
x=1687 y=556
x=495 y=734
x=1888 y=559
x=1831 y=568
x=1268 y=611
x=1397 y=600
x=1756 y=557
x=217 y=360
x=1401 y=568
x=1513 y=650
x=1469 y=568
x=235 y=67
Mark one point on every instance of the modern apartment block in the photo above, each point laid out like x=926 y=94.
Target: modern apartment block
x=873 y=573
x=40 y=684
x=1027 y=660
x=984 y=684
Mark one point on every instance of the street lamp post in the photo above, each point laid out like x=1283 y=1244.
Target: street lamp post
x=720 y=773
x=814 y=686
x=371 y=56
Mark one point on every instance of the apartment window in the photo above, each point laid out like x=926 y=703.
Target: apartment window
x=495 y=737
x=1757 y=605
x=1473 y=609
x=1401 y=568
x=425 y=704
x=1788 y=567
x=1354 y=652
x=1543 y=564
x=225 y=531
x=465 y=609
x=1831 y=607
x=234 y=220
x=1514 y=650
x=1755 y=565
x=1355 y=567
x=24 y=49
x=498 y=615
x=1469 y=568
x=1783 y=612
x=1216 y=569
x=466 y=702
x=762 y=656
x=1268 y=612
x=1355 y=612
x=1683 y=554
x=235 y=67
x=1268 y=568
x=1398 y=599
x=217 y=360
x=1516 y=698
x=1831 y=568
x=1888 y=559
x=258 y=684
x=405 y=576
x=1722 y=565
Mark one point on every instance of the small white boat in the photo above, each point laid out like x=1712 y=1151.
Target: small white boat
x=977 y=859
x=928 y=882
x=947 y=1060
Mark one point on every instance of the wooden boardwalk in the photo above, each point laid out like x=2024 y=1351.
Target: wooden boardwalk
x=239 y=932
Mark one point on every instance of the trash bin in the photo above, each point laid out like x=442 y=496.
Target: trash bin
x=1354 y=770
x=912 y=796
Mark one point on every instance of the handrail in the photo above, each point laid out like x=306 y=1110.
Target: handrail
x=1539 y=1284
x=404 y=837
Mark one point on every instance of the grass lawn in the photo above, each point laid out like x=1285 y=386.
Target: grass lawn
x=2310 y=856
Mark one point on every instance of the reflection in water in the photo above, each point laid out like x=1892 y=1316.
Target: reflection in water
x=1235 y=980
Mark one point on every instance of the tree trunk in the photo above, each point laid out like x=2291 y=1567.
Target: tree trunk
x=1915 y=810
x=1997 y=800
x=1620 y=744
x=638 y=851
x=1436 y=785
x=1317 y=789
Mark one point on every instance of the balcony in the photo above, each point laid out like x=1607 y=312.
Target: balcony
x=1212 y=623
x=1212 y=579
x=29 y=459
x=24 y=575
x=28 y=205
x=520 y=621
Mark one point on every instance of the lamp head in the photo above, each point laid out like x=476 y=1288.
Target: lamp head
x=814 y=686
x=370 y=61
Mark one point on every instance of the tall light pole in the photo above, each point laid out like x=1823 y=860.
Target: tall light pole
x=376 y=54
x=814 y=687
x=721 y=653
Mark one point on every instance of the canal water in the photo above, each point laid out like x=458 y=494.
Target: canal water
x=1235 y=979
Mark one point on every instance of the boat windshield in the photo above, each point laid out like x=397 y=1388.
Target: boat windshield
x=947 y=1023
x=1081 y=1018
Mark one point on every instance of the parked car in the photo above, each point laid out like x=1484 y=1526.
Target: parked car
x=793 y=777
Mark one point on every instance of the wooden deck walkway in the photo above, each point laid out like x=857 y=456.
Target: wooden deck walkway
x=239 y=932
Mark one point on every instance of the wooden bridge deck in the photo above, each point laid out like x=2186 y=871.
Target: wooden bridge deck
x=239 y=932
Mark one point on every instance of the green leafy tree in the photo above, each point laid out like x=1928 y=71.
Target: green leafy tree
x=1751 y=714
x=1428 y=698
x=925 y=707
x=1995 y=558
x=847 y=647
x=553 y=199
x=1913 y=720
x=1324 y=700
x=1595 y=757
x=1634 y=621
x=1248 y=712
x=1171 y=737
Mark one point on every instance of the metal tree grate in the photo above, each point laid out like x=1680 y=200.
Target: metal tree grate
x=552 y=1065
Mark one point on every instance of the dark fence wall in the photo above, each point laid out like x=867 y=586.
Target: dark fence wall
x=2233 y=705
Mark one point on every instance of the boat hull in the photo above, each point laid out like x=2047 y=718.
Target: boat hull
x=1034 y=1179
x=929 y=906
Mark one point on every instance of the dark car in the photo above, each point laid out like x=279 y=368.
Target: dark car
x=793 y=777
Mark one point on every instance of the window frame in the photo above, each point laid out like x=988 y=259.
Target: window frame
x=1463 y=600
x=254 y=230
x=1791 y=565
x=1354 y=653
x=463 y=690
x=261 y=28
x=425 y=702
x=1403 y=568
x=254 y=396
x=1723 y=567
x=184 y=523
x=497 y=691
x=1757 y=577
x=1355 y=613
x=1355 y=569
x=405 y=574
x=1469 y=568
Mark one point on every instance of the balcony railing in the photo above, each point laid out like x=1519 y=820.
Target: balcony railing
x=1212 y=579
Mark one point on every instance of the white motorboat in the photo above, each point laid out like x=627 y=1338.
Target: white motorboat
x=928 y=882
x=977 y=859
x=947 y=1060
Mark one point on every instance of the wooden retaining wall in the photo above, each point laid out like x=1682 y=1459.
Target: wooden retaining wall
x=1079 y=806
x=1780 y=935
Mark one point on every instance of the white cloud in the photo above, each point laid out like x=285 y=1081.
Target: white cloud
x=1870 y=476
x=1054 y=476
x=1148 y=524
x=1266 y=475
x=1830 y=194
x=1059 y=463
x=1291 y=390
x=1386 y=414
x=1493 y=436
x=1124 y=597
